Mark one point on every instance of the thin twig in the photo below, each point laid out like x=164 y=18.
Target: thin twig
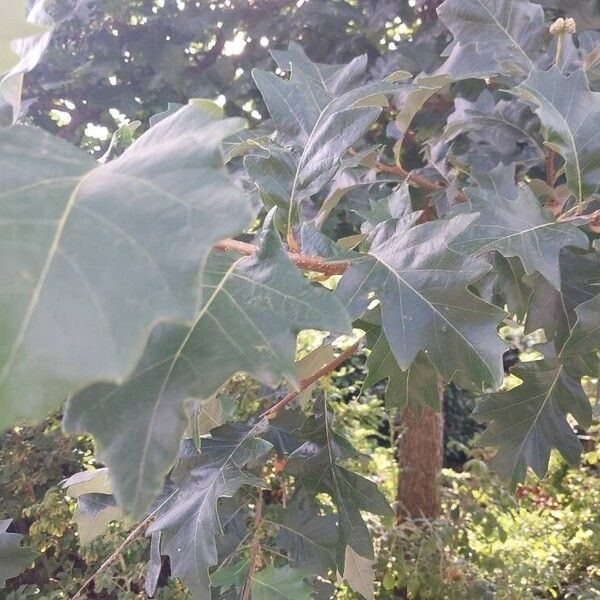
x=309 y=263
x=550 y=172
x=115 y=555
x=305 y=383
x=254 y=546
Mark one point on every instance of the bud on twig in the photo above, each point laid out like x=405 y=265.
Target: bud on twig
x=561 y=26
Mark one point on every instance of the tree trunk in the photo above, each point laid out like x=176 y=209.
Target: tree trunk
x=420 y=460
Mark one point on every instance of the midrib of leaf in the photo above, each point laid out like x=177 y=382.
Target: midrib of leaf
x=308 y=141
x=506 y=32
x=341 y=506
x=36 y=184
x=571 y=134
x=175 y=358
x=433 y=308
x=537 y=415
x=298 y=533
x=269 y=587
x=517 y=234
x=37 y=290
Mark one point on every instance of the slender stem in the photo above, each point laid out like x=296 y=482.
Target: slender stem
x=415 y=179
x=559 y=48
x=309 y=263
x=254 y=546
x=550 y=172
x=115 y=555
x=305 y=383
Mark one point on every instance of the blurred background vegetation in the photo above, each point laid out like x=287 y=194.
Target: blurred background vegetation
x=115 y=61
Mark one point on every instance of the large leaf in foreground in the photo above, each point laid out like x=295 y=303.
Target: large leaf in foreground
x=531 y=419
x=513 y=222
x=425 y=305
x=189 y=522
x=91 y=255
x=253 y=308
x=14 y=558
x=14 y=25
x=570 y=116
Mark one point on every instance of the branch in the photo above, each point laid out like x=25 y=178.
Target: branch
x=305 y=383
x=415 y=179
x=115 y=555
x=550 y=173
x=309 y=263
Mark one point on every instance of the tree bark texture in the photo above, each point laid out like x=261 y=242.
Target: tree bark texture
x=420 y=460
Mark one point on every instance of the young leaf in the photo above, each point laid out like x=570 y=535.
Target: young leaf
x=531 y=419
x=92 y=255
x=253 y=309
x=281 y=583
x=513 y=222
x=570 y=115
x=189 y=522
x=425 y=305
x=96 y=504
x=14 y=558
x=359 y=574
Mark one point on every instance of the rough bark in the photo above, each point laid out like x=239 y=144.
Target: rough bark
x=420 y=460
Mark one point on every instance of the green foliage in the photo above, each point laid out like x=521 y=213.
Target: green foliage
x=116 y=295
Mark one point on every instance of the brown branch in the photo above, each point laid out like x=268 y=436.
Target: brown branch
x=308 y=381
x=115 y=555
x=254 y=546
x=308 y=263
x=136 y=532
x=416 y=180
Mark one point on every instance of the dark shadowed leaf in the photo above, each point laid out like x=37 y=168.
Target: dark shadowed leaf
x=308 y=538
x=585 y=337
x=189 y=521
x=281 y=583
x=14 y=558
x=315 y=463
x=570 y=116
x=530 y=420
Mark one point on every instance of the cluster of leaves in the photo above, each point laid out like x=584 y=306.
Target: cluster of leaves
x=115 y=299
x=489 y=543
